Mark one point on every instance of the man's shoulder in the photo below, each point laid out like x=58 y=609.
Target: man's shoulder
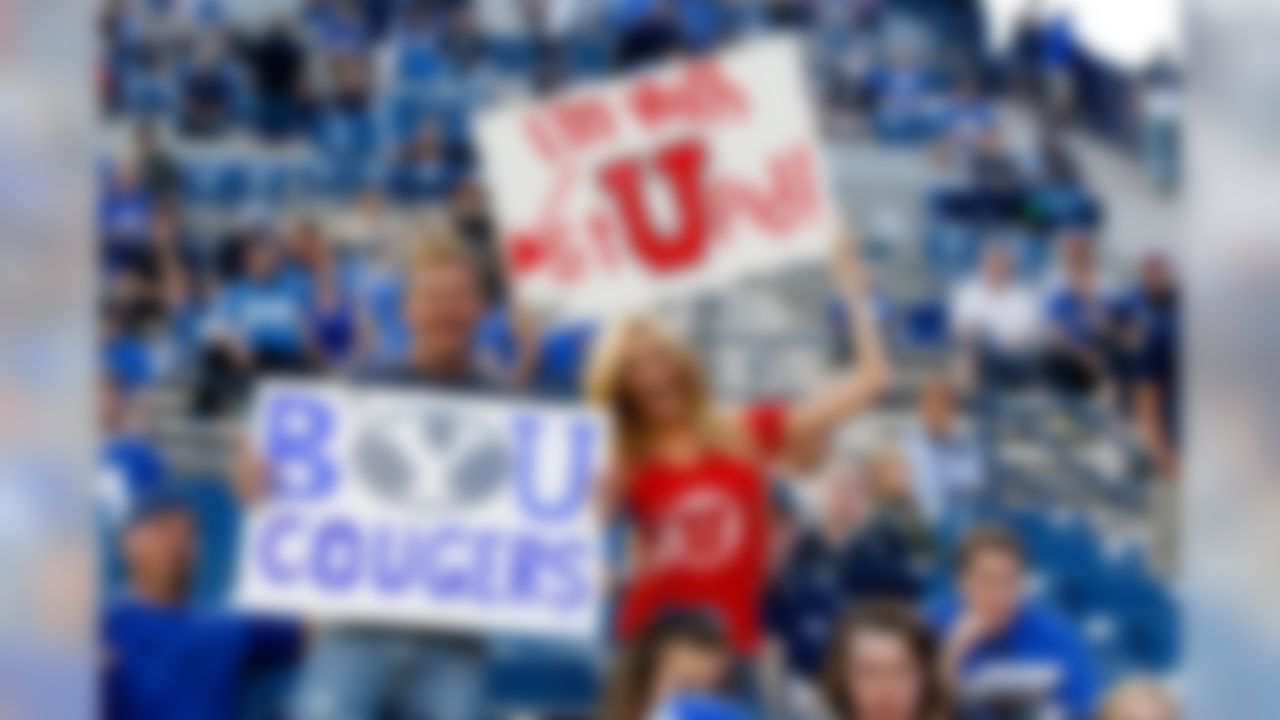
x=401 y=375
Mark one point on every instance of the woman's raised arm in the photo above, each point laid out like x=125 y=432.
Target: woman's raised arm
x=859 y=386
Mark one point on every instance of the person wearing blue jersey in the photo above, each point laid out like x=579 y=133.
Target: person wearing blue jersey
x=1003 y=650
x=162 y=655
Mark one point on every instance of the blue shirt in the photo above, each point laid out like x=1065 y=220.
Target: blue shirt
x=179 y=663
x=267 y=315
x=562 y=355
x=698 y=707
x=127 y=361
x=124 y=216
x=1083 y=320
x=803 y=606
x=1036 y=636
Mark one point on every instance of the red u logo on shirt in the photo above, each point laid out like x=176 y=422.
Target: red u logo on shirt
x=702 y=530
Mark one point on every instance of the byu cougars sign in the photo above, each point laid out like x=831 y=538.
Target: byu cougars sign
x=432 y=509
x=666 y=184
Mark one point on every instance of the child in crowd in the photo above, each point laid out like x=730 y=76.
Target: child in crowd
x=675 y=670
x=882 y=665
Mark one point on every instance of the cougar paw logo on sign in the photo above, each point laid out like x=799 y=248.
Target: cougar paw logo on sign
x=424 y=508
x=670 y=183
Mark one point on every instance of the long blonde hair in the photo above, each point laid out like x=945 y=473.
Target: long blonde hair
x=604 y=384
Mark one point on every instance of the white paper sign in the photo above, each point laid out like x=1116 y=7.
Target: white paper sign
x=429 y=509
x=669 y=183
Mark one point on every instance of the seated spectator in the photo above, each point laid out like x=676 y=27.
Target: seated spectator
x=1153 y=363
x=1002 y=649
x=998 y=323
x=998 y=183
x=276 y=61
x=945 y=464
x=1056 y=164
x=1139 y=700
x=161 y=176
x=904 y=96
x=327 y=283
x=210 y=91
x=850 y=555
x=124 y=218
x=161 y=656
x=259 y=325
x=368 y=225
x=790 y=13
x=882 y=665
x=264 y=314
x=127 y=359
x=648 y=31
x=337 y=27
x=677 y=669
x=966 y=119
x=412 y=56
x=421 y=171
x=1080 y=353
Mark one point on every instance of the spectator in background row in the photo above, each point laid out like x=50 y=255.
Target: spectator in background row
x=850 y=555
x=997 y=182
x=163 y=657
x=259 y=326
x=124 y=218
x=675 y=670
x=998 y=324
x=422 y=171
x=882 y=664
x=1003 y=649
x=1160 y=105
x=1155 y=337
x=945 y=463
x=160 y=173
x=358 y=672
x=966 y=119
x=277 y=65
x=211 y=89
x=126 y=357
x=649 y=31
x=1139 y=700
x=905 y=99
x=1080 y=352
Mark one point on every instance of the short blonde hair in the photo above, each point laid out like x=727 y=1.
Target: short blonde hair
x=435 y=242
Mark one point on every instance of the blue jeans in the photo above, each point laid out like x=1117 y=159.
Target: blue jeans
x=359 y=673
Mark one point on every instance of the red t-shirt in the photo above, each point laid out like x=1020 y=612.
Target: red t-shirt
x=703 y=531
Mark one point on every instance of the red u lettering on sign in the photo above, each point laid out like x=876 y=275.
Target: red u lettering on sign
x=682 y=165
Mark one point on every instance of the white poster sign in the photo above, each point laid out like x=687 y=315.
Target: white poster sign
x=662 y=185
x=427 y=509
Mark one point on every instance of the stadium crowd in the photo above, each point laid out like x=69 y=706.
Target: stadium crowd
x=293 y=189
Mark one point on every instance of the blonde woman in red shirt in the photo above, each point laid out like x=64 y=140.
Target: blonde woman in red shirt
x=691 y=478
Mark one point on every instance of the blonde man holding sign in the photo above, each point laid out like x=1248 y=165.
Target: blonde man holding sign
x=356 y=671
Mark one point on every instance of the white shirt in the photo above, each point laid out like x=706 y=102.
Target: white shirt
x=1009 y=317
